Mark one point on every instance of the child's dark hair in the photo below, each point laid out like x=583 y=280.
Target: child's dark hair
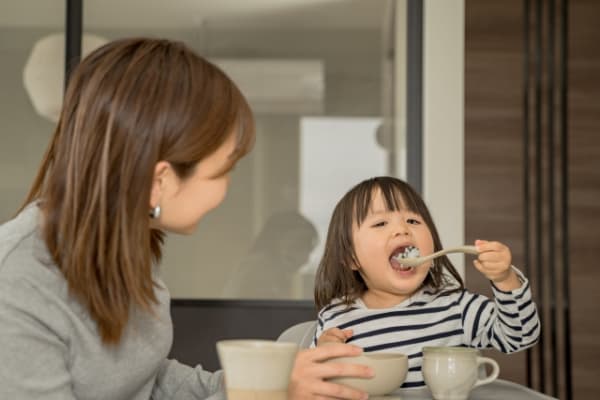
x=335 y=277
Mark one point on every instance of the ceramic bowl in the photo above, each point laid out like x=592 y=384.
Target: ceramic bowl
x=390 y=372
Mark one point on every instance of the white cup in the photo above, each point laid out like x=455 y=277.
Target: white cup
x=256 y=369
x=451 y=372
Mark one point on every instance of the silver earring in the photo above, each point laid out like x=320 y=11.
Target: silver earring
x=155 y=212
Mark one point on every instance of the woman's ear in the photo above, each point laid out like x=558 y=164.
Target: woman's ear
x=160 y=181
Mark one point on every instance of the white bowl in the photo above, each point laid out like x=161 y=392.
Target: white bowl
x=390 y=372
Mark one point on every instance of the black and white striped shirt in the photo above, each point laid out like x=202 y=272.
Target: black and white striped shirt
x=509 y=323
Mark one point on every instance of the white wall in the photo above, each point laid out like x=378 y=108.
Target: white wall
x=443 y=119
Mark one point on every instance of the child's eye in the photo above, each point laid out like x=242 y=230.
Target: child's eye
x=379 y=224
x=413 y=221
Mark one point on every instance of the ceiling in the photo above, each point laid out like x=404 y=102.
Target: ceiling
x=186 y=14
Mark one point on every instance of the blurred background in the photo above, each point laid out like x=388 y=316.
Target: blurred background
x=318 y=75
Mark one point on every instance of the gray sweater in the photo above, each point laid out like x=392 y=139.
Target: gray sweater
x=50 y=347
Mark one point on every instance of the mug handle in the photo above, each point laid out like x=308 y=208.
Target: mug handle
x=491 y=377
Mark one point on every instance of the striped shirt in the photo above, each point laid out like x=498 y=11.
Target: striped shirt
x=509 y=323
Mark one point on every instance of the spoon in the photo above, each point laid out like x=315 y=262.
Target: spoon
x=411 y=256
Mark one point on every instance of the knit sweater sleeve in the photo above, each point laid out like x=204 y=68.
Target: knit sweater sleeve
x=177 y=381
x=509 y=322
x=35 y=356
x=33 y=352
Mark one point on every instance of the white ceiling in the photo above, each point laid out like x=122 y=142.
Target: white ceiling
x=186 y=14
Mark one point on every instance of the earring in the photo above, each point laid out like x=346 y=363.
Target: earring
x=155 y=212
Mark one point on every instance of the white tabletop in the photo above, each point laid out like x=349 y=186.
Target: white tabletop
x=497 y=390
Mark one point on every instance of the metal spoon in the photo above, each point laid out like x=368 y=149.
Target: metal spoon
x=410 y=256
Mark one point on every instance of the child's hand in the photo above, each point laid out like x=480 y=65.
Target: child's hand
x=334 y=335
x=494 y=261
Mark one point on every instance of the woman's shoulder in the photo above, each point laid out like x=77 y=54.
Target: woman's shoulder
x=26 y=269
x=34 y=295
x=14 y=231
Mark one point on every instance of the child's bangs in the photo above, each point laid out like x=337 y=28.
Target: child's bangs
x=399 y=198
x=396 y=197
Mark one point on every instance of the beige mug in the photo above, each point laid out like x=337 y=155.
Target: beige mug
x=256 y=369
x=451 y=372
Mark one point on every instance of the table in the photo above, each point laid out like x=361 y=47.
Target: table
x=497 y=390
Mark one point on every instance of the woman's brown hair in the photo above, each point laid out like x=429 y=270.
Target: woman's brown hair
x=335 y=278
x=129 y=104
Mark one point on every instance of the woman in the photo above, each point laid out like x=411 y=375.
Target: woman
x=148 y=134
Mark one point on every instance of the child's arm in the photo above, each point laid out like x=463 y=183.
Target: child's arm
x=510 y=322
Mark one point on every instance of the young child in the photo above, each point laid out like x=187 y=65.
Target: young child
x=367 y=298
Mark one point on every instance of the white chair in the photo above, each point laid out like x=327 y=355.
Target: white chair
x=302 y=333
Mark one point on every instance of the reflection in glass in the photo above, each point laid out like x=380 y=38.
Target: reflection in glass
x=24 y=134
x=272 y=265
x=336 y=154
x=320 y=77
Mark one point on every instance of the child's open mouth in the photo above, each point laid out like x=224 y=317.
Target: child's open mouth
x=396 y=265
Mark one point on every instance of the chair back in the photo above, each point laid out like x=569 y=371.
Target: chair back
x=302 y=334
